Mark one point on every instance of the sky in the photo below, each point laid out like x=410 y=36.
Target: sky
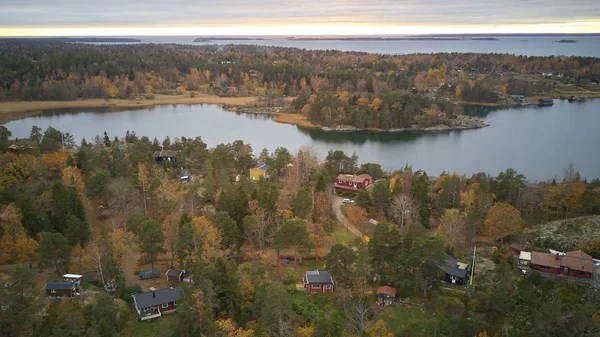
x=299 y=17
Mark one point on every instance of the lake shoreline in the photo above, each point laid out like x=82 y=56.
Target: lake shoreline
x=15 y=110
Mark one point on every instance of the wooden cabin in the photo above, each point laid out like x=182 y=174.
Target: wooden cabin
x=61 y=289
x=318 y=281
x=156 y=303
x=386 y=296
x=353 y=182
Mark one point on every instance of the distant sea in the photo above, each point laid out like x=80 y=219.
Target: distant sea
x=531 y=45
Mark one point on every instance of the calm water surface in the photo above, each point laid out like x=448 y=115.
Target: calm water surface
x=538 y=142
x=534 y=45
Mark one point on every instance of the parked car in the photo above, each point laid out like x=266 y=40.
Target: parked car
x=347 y=201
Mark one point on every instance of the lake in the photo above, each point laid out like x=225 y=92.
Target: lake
x=538 y=142
x=533 y=45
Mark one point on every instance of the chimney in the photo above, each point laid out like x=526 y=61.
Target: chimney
x=557 y=256
x=153 y=294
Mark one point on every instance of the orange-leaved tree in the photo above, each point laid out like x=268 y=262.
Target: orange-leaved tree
x=502 y=220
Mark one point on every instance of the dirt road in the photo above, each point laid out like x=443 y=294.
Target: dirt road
x=336 y=203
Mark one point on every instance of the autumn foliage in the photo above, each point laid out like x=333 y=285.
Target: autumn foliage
x=502 y=220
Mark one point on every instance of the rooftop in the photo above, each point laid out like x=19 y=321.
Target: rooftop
x=545 y=259
x=353 y=178
x=173 y=273
x=165 y=153
x=387 y=290
x=60 y=285
x=578 y=260
x=525 y=256
x=318 y=277
x=157 y=297
x=261 y=166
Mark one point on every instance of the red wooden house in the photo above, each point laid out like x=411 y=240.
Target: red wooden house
x=544 y=262
x=353 y=182
x=156 y=303
x=318 y=281
x=577 y=264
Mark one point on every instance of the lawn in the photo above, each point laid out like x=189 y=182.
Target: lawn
x=165 y=326
x=402 y=320
x=339 y=233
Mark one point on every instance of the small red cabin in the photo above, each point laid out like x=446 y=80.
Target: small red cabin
x=546 y=263
x=516 y=248
x=353 y=182
x=318 y=281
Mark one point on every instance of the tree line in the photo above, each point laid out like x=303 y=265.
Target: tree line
x=333 y=87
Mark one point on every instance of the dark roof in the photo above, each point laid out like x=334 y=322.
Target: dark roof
x=545 y=100
x=518 y=246
x=450 y=266
x=454 y=271
x=261 y=166
x=157 y=297
x=318 y=277
x=173 y=272
x=165 y=153
x=60 y=285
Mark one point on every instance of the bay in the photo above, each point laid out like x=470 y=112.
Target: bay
x=530 y=45
x=537 y=141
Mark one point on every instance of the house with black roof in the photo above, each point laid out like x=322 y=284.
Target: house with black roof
x=318 y=281
x=156 y=303
x=60 y=289
x=165 y=156
x=454 y=272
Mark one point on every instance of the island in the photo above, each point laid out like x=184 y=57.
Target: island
x=210 y=39
x=416 y=38
x=327 y=89
x=566 y=41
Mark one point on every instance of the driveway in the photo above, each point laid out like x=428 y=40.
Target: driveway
x=336 y=203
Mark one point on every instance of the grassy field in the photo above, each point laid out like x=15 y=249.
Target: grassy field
x=294 y=119
x=401 y=320
x=339 y=233
x=165 y=326
x=16 y=110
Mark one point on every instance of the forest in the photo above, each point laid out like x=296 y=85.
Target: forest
x=107 y=206
x=330 y=87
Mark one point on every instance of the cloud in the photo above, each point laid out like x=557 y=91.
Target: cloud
x=206 y=13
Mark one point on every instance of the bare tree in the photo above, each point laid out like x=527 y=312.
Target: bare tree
x=121 y=201
x=359 y=315
x=570 y=173
x=403 y=212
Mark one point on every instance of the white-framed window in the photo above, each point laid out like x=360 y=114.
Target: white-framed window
x=164 y=305
x=53 y=291
x=316 y=286
x=328 y=287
